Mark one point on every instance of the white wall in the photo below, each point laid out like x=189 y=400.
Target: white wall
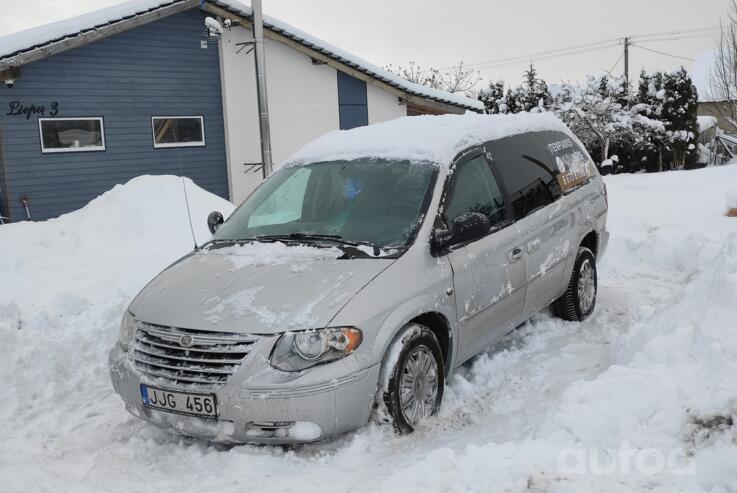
x=303 y=105
x=382 y=105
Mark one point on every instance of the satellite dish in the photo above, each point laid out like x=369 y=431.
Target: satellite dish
x=213 y=27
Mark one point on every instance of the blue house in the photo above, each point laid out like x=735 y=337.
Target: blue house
x=142 y=88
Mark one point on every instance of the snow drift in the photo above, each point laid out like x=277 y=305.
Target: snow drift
x=642 y=396
x=118 y=241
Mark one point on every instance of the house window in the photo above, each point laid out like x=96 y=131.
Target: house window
x=352 y=102
x=178 y=131
x=71 y=134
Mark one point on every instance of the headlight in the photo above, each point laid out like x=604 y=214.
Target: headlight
x=127 y=330
x=295 y=351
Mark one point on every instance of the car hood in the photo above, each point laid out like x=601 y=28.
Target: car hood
x=259 y=288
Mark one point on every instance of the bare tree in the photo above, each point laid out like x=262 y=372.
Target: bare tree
x=460 y=79
x=723 y=77
x=414 y=73
x=457 y=79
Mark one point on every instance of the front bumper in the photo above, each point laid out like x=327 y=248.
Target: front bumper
x=258 y=410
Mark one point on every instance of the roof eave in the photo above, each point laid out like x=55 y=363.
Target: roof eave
x=342 y=64
x=65 y=43
x=59 y=45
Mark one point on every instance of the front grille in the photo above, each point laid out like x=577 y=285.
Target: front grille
x=206 y=358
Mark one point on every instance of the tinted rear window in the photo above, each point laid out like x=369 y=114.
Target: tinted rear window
x=527 y=171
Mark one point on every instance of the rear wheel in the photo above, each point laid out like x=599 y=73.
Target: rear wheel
x=579 y=300
x=412 y=379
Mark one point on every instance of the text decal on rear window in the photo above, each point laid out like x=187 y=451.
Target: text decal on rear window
x=574 y=166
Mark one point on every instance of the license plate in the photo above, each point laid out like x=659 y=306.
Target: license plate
x=192 y=404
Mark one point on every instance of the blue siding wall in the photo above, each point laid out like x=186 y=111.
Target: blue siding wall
x=352 y=102
x=3 y=193
x=156 y=69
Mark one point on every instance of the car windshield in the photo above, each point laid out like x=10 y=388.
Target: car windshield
x=375 y=202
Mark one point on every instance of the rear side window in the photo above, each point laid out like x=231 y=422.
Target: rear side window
x=573 y=163
x=474 y=189
x=524 y=167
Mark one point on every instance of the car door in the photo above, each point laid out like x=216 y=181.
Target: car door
x=543 y=219
x=489 y=273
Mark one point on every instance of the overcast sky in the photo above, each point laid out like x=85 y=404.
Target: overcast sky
x=443 y=33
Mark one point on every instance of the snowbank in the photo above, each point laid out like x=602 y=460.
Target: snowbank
x=116 y=242
x=437 y=139
x=647 y=386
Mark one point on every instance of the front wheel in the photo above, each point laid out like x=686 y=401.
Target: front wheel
x=579 y=300
x=412 y=379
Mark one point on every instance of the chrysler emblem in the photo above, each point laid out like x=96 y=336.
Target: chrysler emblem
x=185 y=341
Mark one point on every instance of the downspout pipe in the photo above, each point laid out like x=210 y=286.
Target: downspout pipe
x=263 y=103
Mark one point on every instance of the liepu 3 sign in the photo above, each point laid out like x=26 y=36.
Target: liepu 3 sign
x=19 y=109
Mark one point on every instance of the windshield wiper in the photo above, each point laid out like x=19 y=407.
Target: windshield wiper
x=319 y=237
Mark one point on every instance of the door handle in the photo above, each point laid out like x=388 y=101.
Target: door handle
x=516 y=254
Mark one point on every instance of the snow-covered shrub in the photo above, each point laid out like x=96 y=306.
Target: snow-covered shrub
x=531 y=96
x=652 y=130
x=673 y=100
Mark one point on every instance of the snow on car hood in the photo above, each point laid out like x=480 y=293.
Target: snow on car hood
x=257 y=288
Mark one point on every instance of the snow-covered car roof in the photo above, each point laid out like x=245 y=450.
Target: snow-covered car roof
x=41 y=37
x=437 y=139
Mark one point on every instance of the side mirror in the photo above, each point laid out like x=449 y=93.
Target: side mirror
x=214 y=220
x=465 y=229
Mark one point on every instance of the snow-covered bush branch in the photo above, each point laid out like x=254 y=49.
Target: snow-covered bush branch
x=652 y=129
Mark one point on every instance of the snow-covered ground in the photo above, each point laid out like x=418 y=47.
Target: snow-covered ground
x=642 y=396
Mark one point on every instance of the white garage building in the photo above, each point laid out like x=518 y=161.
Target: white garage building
x=313 y=88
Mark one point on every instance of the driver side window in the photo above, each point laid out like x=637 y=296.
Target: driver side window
x=475 y=189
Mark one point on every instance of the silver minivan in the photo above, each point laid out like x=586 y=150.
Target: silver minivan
x=360 y=274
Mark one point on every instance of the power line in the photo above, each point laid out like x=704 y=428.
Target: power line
x=524 y=60
x=663 y=53
x=678 y=38
x=674 y=33
x=701 y=32
x=597 y=46
x=621 y=55
x=546 y=53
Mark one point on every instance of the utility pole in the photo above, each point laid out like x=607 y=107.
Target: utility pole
x=263 y=103
x=627 y=63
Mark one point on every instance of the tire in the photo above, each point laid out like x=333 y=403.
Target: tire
x=416 y=350
x=578 y=302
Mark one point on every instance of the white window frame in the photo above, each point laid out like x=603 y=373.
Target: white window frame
x=44 y=150
x=178 y=144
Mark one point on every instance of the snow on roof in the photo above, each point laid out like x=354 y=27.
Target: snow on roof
x=23 y=41
x=706 y=122
x=353 y=61
x=437 y=139
x=29 y=39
